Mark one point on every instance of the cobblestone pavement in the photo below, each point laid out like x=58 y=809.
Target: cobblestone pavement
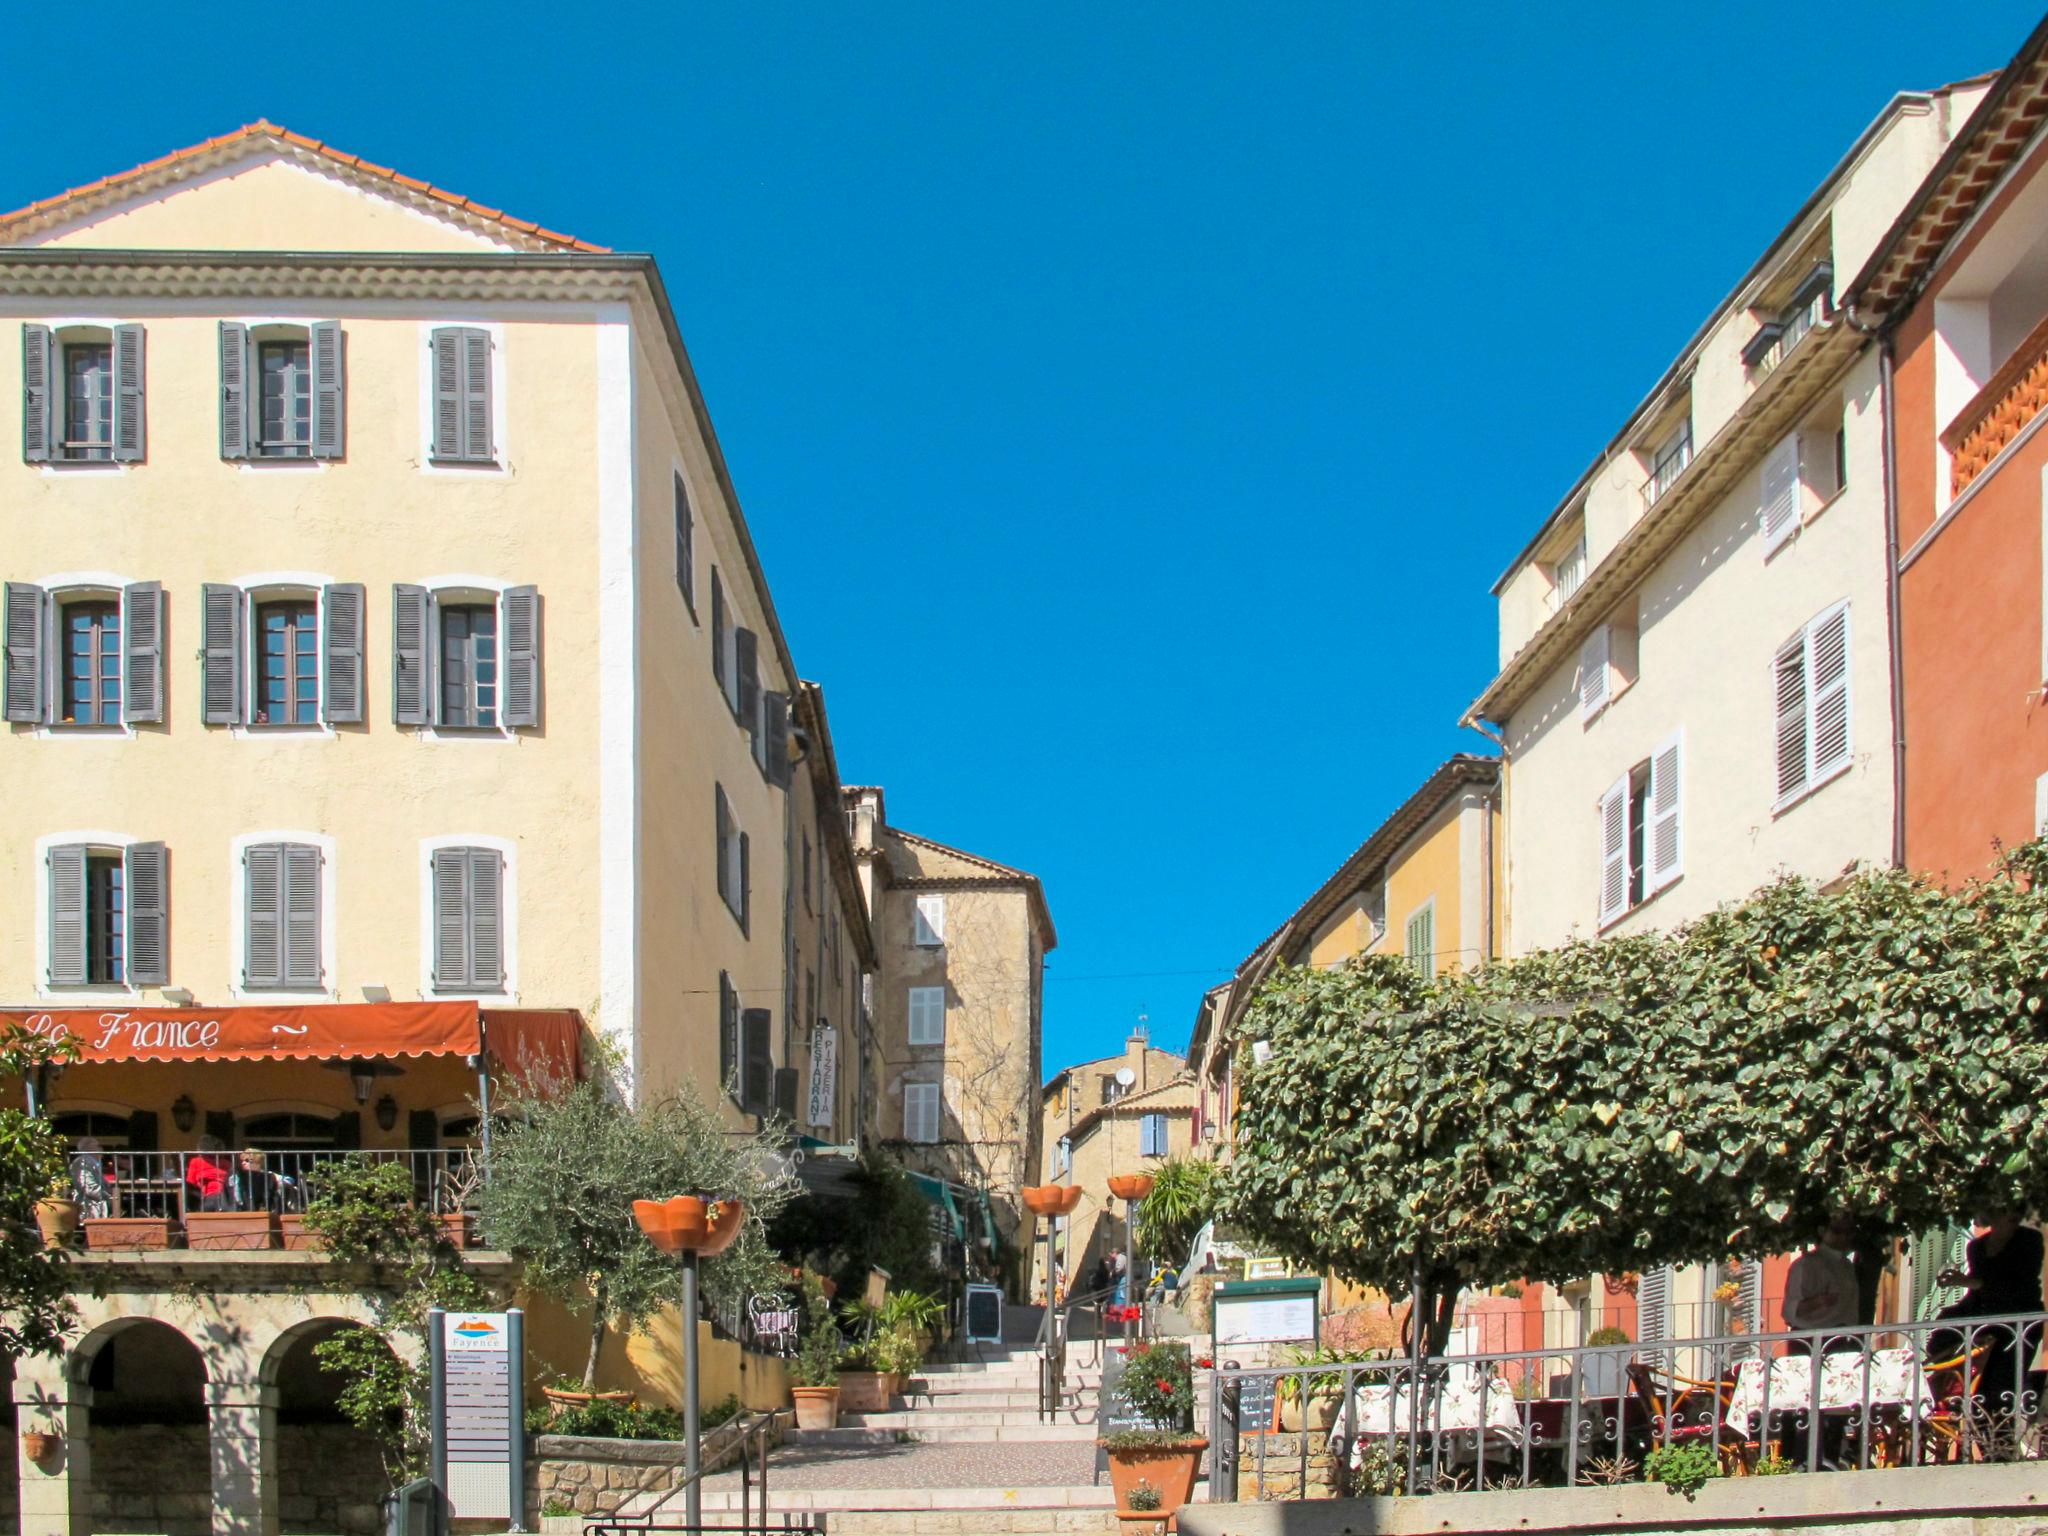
x=1024 y=1464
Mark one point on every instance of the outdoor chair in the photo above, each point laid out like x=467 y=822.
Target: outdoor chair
x=1688 y=1410
x=1954 y=1383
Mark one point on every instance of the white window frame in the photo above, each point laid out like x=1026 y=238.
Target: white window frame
x=1804 y=637
x=1158 y=1117
x=329 y=990
x=265 y=586
x=264 y=328
x=508 y=853
x=933 y=1095
x=1572 y=563
x=924 y=933
x=98 y=839
x=501 y=443
x=915 y=996
x=455 y=587
x=60 y=394
x=72 y=587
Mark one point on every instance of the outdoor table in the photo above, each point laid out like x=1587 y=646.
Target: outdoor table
x=1382 y=1409
x=1895 y=1381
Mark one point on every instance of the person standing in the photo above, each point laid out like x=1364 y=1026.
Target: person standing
x=2002 y=1276
x=1821 y=1288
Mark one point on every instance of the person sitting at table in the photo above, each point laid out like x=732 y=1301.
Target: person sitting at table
x=254 y=1187
x=1821 y=1289
x=206 y=1171
x=90 y=1185
x=2001 y=1276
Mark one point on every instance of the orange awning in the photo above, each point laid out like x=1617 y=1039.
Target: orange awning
x=317 y=1030
x=542 y=1048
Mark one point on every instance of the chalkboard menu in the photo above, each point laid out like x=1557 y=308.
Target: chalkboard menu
x=984 y=1314
x=1255 y=1403
x=1112 y=1413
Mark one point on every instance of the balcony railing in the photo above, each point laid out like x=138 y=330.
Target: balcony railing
x=1998 y=412
x=140 y=1200
x=1943 y=1392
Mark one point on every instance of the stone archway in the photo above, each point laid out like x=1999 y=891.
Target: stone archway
x=328 y=1475
x=147 y=1428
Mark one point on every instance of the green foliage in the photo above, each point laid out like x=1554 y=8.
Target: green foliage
x=884 y=1222
x=1181 y=1202
x=557 y=1508
x=1683 y=1468
x=35 y=1312
x=1323 y=1385
x=889 y=1337
x=1158 y=1384
x=608 y=1421
x=818 y=1352
x=1604 y=1336
x=1772 y=1466
x=1145 y=1439
x=1144 y=1496
x=1667 y=1098
x=565 y=1171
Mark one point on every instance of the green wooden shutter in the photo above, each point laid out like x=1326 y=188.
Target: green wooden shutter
x=1420 y=942
x=23 y=623
x=129 y=438
x=234 y=390
x=220 y=643
x=67 y=915
x=147 y=879
x=411 y=645
x=38 y=399
x=329 y=414
x=302 y=967
x=522 y=700
x=142 y=643
x=263 y=915
x=341 y=652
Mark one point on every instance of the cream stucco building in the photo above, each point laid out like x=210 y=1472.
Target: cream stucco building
x=957 y=1002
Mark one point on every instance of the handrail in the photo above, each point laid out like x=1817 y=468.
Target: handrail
x=1052 y=1346
x=757 y=1423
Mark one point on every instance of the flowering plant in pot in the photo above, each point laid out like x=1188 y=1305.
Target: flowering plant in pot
x=1158 y=1387
x=814 y=1373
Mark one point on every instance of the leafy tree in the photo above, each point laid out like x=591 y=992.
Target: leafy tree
x=35 y=1312
x=565 y=1171
x=1670 y=1098
x=884 y=1223
x=1181 y=1201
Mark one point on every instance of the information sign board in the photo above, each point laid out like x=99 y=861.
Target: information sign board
x=479 y=1374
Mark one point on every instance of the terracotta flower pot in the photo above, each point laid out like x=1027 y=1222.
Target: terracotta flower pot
x=562 y=1398
x=1169 y=1468
x=57 y=1220
x=816 y=1407
x=218 y=1230
x=457 y=1227
x=297 y=1236
x=39 y=1444
x=1051 y=1199
x=864 y=1391
x=684 y=1222
x=1131 y=1186
x=127 y=1232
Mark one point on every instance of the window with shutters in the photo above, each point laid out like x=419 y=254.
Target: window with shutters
x=1419 y=939
x=733 y=853
x=927 y=1015
x=81 y=394
x=284 y=901
x=103 y=912
x=1152 y=1135
x=1810 y=692
x=922 y=1119
x=686 y=546
x=466 y=658
x=281 y=654
x=282 y=392
x=89 y=662
x=470 y=918
x=1640 y=832
x=929 y=922
x=462 y=393
x=287 y=681
x=86 y=657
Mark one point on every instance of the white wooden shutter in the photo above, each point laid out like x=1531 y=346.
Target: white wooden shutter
x=1665 y=848
x=1614 y=851
x=1653 y=1305
x=1593 y=672
x=921 y=1112
x=1788 y=674
x=1827 y=672
x=931 y=920
x=1778 y=501
x=927 y=1015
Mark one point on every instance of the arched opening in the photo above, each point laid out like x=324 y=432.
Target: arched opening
x=152 y=1466
x=331 y=1475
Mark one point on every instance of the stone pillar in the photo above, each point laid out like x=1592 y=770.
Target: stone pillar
x=241 y=1417
x=56 y=1493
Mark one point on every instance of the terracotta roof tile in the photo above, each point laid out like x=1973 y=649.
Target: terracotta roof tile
x=264 y=129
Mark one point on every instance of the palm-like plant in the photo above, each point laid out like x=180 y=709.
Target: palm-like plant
x=1182 y=1199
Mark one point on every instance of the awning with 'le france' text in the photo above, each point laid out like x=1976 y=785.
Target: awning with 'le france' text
x=318 y=1030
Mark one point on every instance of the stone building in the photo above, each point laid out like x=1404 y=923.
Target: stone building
x=957 y=1007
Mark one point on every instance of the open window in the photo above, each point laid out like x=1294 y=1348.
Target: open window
x=282 y=390
x=84 y=657
x=82 y=394
x=466 y=659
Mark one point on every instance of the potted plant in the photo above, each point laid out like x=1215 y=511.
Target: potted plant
x=565 y=1393
x=296 y=1236
x=217 y=1230
x=918 y=1315
x=39 y=1445
x=1601 y=1373
x=1158 y=1387
x=898 y=1353
x=57 y=1215
x=1324 y=1392
x=1051 y=1199
x=863 y=1384
x=814 y=1373
x=127 y=1233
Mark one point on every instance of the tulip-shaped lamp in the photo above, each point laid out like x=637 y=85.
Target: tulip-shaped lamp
x=692 y=1229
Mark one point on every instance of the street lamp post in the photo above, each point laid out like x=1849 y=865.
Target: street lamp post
x=692 y=1229
x=1130 y=1188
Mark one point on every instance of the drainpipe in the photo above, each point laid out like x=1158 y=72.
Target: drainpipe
x=1492 y=893
x=1885 y=356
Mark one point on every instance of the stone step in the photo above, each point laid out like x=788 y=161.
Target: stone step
x=946 y=1400
x=929 y=1432
x=977 y=1522
x=980 y=1501
x=962 y=1418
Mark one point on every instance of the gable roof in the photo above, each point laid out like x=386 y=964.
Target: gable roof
x=973 y=870
x=264 y=137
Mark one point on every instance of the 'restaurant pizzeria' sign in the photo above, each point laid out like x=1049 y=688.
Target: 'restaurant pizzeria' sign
x=257 y=1034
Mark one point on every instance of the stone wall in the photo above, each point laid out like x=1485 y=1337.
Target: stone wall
x=331 y=1481
x=601 y=1477
x=1286 y=1475
x=151 y=1478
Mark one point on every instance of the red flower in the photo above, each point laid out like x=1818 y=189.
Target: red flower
x=1163 y=1384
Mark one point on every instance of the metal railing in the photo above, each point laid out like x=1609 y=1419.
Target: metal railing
x=173 y=1185
x=1945 y=1391
x=1054 y=1328
x=753 y=1515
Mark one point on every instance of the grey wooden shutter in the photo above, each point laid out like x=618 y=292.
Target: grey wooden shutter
x=775 y=717
x=747 y=703
x=129 y=438
x=486 y=919
x=38 y=400
x=451 y=917
x=234 y=390
x=341 y=648
x=522 y=657
x=721 y=844
x=718 y=629
x=147 y=877
x=447 y=348
x=67 y=914
x=411 y=682
x=263 y=911
x=786 y=1088
x=476 y=394
x=728 y=1032
x=220 y=643
x=23 y=624
x=746 y=886
x=757 y=1070
x=324 y=345
x=142 y=643
x=301 y=916
x=686 y=547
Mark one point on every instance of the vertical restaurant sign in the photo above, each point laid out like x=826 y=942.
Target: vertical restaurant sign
x=824 y=1088
x=477 y=1427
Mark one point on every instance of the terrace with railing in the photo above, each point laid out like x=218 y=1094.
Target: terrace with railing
x=1942 y=1393
x=1999 y=412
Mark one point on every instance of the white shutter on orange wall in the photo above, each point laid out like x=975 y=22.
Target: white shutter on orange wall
x=1614 y=851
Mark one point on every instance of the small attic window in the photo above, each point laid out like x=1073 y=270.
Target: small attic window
x=1786 y=320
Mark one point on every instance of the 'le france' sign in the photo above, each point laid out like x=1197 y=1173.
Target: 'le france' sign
x=479 y=1413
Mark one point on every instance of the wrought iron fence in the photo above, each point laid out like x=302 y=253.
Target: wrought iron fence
x=1945 y=1391
x=172 y=1185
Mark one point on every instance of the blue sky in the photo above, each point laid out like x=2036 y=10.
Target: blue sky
x=1133 y=403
